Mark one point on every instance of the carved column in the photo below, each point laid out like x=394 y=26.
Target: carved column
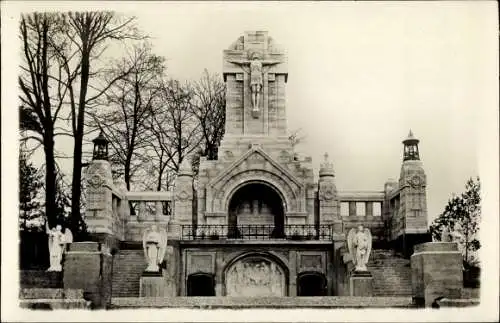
x=327 y=191
x=159 y=210
x=142 y=211
x=183 y=199
x=352 y=208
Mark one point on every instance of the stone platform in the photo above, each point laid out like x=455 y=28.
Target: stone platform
x=261 y=302
x=52 y=298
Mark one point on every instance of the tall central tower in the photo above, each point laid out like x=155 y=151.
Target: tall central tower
x=255 y=72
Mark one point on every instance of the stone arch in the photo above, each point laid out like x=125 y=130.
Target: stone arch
x=200 y=284
x=225 y=189
x=277 y=261
x=311 y=283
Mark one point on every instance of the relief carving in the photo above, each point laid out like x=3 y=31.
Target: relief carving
x=95 y=181
x=255 y=277
x=183 y=195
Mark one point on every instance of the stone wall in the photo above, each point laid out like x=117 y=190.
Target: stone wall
x=293 y=260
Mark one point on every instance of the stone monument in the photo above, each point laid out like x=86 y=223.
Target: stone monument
x=254 y=221
x=359 y=242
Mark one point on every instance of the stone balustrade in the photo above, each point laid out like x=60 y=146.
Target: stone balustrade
x=150 y=205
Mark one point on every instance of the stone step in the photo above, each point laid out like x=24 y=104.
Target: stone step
x=54 y=304
x=50 y=293
x=40 y=279
x=262 y=302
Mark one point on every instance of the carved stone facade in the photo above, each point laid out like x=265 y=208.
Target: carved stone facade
x=255 y=222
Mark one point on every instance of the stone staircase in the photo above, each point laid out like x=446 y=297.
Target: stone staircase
x=52 y=298
x=391 y=273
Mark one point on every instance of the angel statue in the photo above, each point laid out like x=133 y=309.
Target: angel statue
x=57 y=245
x=154 y=242
x=359 y=241
x=256 y=79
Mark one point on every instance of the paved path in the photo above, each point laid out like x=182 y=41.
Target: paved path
x=262 y=302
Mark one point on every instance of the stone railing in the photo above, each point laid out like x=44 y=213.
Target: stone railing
x=151 y=205
x=257 y=232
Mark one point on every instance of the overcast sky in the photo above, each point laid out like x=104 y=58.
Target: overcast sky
x=361 y=74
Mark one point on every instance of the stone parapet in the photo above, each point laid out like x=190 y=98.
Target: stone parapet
x=88 y=266
x=436 y=272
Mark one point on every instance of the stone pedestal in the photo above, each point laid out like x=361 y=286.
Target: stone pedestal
x=361 y=284
x=152 y=284
x=88 y=266
x=436 y=272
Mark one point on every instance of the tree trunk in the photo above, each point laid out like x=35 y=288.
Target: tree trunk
x=77 y=155
x=50 y=178
x=160 y=174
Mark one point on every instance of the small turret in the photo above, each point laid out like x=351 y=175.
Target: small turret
x=326 y=168
x=411 y=148
x=100 y=147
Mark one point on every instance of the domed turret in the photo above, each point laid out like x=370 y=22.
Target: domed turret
x=326 y=167
x=411 y=148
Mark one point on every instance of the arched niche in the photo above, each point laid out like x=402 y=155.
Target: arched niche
x=311 y=284
x=256 y=210
x=201 y=284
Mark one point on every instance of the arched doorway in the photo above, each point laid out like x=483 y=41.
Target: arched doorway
x=200 y=285
x=311 y=284
x=256 y=276
x=256 y=211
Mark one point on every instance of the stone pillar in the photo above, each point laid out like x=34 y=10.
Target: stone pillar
x=103 y=219
x=361 y=284
x=369 y=208
x=327 y=193
x=99 y=211
x=159 y=211
x=171 y=273
x=352 y=208
x=292 y=279
x=142 y=211
x=219 y=280
x=183 y=199
x=89 y=266
x=152 y=284
x=436 y=272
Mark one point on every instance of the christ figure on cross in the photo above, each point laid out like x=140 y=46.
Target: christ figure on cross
x=256 y=76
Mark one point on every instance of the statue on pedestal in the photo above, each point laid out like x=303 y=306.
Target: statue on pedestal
x=359 y=242
x=154 y=242
x=57 y=245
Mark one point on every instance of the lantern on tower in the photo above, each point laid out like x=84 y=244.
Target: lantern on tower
x=411 y=148
x=100 y=147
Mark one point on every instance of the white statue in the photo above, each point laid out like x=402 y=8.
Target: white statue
x=154 y=242
x=359 y=242
x=57 y=245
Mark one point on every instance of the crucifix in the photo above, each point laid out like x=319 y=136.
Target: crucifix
x=256 y=70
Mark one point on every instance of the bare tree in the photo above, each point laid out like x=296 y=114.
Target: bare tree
x=127 y=105
x=174 y=128
x=86 y=36
x=40 y=106
x=209 y=107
